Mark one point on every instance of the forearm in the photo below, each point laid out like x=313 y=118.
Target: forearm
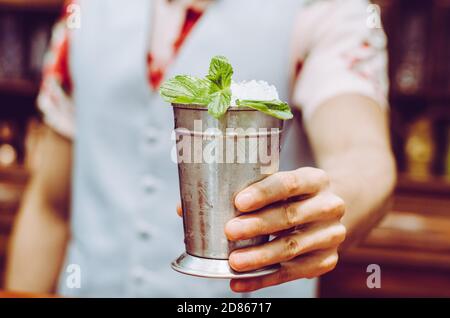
x=41 y=229
x=37 y=246
x=351 y=142
x=364 y=179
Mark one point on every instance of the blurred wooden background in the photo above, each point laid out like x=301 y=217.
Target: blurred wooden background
x=411 y=244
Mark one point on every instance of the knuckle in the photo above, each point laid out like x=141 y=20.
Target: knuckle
x=330 y=262
x=337 y=202
x=291 y=247
x=340 y=207
x=290 y=182
x=334 y=206
x=259 y=226
x=290 y=214
x=260 y=192
x=326 y=265
x=338 y=234
x=342 y=232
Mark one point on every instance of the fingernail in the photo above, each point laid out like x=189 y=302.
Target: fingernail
x=244 y=200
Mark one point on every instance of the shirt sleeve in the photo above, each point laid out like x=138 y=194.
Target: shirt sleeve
x=338 y=51
x=55 y=96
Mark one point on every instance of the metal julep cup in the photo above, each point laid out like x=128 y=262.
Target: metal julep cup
x=216 y=160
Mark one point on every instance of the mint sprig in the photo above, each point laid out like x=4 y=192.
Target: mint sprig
x=275 y=108
x=214 y=92
x=219 y=75
x=220 y=102
x=184 y=89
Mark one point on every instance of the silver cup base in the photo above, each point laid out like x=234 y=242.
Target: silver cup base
x=215 y=268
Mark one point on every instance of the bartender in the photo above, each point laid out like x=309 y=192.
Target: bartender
x=103 y=194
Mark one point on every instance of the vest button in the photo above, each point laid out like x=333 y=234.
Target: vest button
x=149 y=184
x=144 y=231
x=144 y=235
x=138 y=275
x=151 y=135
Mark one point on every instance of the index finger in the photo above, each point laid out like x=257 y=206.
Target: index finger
x=281 y=186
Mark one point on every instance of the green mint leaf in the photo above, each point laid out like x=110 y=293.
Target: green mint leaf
x=214 y=91
x=184 y=89
x=219 y=76
x=275 y=108
x=220 y=101
x=220 y=73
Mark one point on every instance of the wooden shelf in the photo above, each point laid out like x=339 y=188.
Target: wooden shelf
x=411 y=245
x=15 y=173
x=18 y=87
x=407 y=239
x=416 y=231
x=12 y=184
x=433 y=185
x=349 y=280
